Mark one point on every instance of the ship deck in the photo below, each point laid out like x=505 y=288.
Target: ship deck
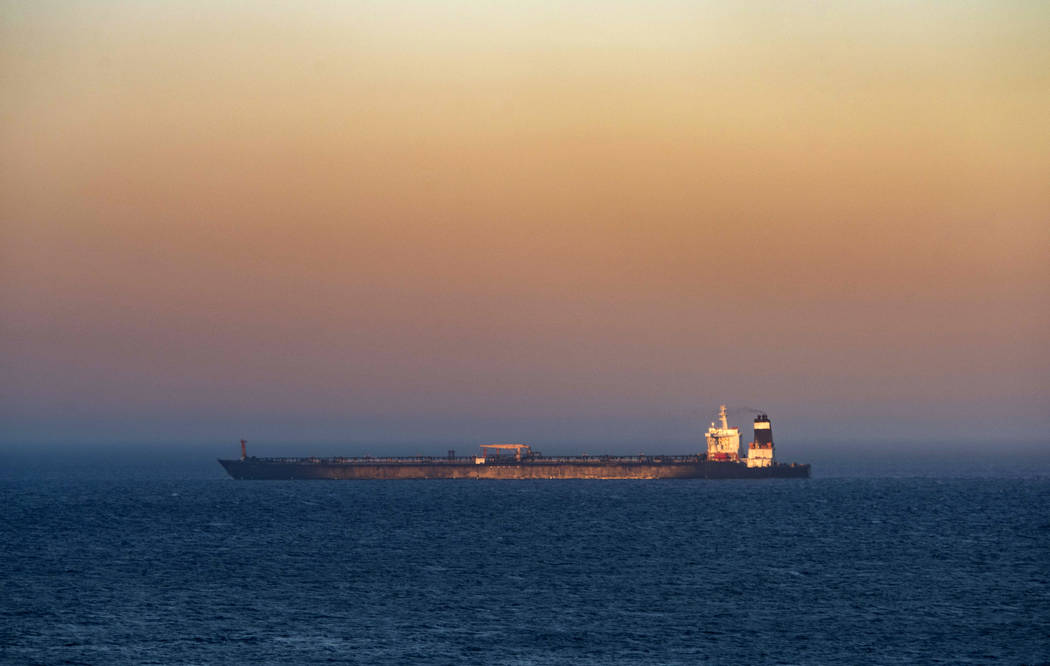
x=471 y=460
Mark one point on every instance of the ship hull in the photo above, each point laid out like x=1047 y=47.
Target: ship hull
x=256 y=469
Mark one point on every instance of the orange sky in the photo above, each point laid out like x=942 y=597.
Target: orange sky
x=402 y=221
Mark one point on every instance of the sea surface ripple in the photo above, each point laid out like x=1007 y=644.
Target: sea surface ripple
x=154 y=571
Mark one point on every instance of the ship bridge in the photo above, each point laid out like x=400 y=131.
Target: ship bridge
x=723 y=443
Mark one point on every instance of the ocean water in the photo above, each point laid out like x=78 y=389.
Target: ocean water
x=132 y=568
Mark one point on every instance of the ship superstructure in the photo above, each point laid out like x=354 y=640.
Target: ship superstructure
x=723 y=443
x=519 y=461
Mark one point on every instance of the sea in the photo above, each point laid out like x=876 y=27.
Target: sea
x=107 y=559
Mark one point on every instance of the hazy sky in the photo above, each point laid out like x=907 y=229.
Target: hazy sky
x=536 y=221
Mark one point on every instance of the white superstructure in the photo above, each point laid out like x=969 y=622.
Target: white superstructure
x=723 y=443
x=760 y=455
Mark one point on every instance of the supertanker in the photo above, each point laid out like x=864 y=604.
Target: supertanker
x=518 y=461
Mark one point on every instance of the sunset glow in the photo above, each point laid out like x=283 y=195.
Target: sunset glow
x=413 y=221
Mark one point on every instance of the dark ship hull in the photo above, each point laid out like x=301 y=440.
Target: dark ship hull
x=683 y=467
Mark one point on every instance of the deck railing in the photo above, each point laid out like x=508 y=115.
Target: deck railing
x=471 y=460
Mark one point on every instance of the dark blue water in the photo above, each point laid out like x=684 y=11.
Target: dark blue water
x=876 y=570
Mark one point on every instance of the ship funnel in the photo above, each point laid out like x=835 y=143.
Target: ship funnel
x=763 y=430
x=760 y=453
x=244 y=449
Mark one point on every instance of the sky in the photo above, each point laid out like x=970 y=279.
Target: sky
x=568 y=223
